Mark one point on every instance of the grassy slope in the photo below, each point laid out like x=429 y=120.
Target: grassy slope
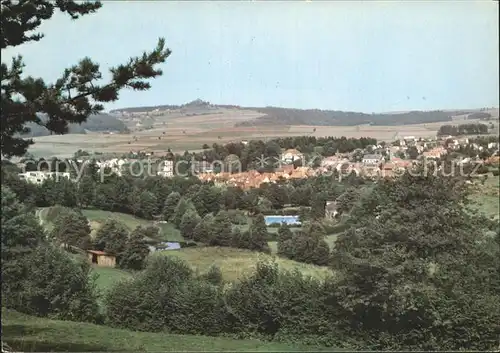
x=235 y=263
x=167 y=231
x=109 y=277
x=97 y=217
x=32 y=334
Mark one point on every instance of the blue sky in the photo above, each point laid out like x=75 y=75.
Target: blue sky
x=359 y=56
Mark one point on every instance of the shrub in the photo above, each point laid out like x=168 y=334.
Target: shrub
x=213 y=275
x=58 y=287
x=189 y=221
x=146 y=302
x=132 y=305
x=199 y=309
x=282 y=305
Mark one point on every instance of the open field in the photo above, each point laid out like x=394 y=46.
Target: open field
x=182 y=132
x=176 y=132
x=381 y=133
x=236 y=263
x=487 y=196
x=32 y=334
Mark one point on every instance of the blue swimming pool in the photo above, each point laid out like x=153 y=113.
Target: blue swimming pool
x=282 y=219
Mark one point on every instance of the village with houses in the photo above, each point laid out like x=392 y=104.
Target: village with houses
x=381 y=160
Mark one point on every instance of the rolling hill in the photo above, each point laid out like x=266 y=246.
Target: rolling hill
x=312 y=117
x=286 y=116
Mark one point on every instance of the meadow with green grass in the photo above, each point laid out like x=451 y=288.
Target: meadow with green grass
x=167 y=232
x=107 y=277
x=486 y=197
x=97 y=217
x=238 y=263
x=32 y=334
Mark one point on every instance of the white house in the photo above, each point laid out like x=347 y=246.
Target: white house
x=291 y=155
x=114 y=164
x=166 y=169
x=38 y=177
x=372 y=159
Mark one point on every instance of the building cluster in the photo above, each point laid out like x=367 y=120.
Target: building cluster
x=163 y=168
x=382 y=160
x=253 y=178
x=38 y=177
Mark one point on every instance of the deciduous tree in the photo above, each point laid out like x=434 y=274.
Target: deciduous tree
x=189 y=221
x=71 y=228
x=136 y=250
x=414 y=259
x=111 y=237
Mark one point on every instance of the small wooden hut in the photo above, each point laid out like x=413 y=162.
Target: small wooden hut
x=100 y=258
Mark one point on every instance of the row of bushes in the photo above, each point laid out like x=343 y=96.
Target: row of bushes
x=269 y=304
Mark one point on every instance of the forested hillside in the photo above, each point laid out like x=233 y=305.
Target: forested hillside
x=285 y=116
x=99 y=122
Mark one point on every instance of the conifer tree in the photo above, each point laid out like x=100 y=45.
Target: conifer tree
x=258 y=234
x=148 y=203
x=111 y=237
x=202 y=230
x=72 y=228
x=189 y=221
x=170 y=203
x=21 y=235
